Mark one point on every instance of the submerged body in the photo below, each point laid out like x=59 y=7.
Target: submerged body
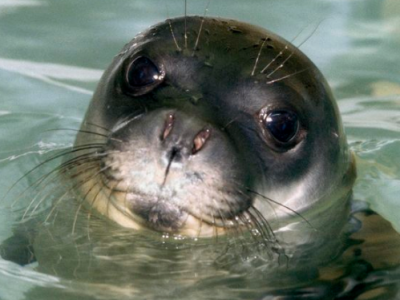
x=204 y=129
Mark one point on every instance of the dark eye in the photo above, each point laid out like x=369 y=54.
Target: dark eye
x=283 y=125
x=142 y=75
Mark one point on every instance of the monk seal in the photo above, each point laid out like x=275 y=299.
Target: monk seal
x=206 y=126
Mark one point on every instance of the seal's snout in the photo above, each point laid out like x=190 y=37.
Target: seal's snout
x=173 y=164
x=183 y=137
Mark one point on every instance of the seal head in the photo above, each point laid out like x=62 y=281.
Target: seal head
x=204 y=125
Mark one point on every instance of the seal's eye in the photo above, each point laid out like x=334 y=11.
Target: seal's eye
x=142 y=72
x=142 y=75
x=282 y=125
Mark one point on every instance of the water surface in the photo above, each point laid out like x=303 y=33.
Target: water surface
x=53 y=52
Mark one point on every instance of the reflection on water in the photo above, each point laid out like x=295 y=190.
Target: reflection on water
x=50 y=59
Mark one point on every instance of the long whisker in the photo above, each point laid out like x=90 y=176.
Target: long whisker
x=258 y=57
x=249 y=222
x=219 y=213
x=173 y=36
x=75 y=272
x=73 y=188
x=63 y=153
x=172 y=31
x=81 y=204
x=82 y=201
x=281 y=52
x=200 y=226
x=287 y=76
x=230 y=123
x=274 y=59
x=98 y=126
x=292 y=53
x=282 y=205
x=85 y=131
x=49 y=193
x=201 y=221
x=112 y=190
x=42 y=179
x=186 y=37
x=201 y=28
x=94 y=200
x=215 y=230
x=228 y=228
x=281 y=65
x=54 y=207
x=265 y=227
x=250 y=226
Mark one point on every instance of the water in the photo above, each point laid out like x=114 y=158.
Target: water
x=53 y=52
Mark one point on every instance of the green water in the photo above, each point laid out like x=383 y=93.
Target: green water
x=52 y=53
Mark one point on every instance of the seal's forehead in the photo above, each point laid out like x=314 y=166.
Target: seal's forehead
x=217 y=40
x=209 y=29
x=198 y=52
x=196 y=34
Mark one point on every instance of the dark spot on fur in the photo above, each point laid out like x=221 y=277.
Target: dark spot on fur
x=234 y=29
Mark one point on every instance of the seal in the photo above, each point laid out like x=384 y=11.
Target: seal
x=207 y=126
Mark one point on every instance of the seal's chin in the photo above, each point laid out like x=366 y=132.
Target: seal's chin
x=157 y=212
x=162 y=216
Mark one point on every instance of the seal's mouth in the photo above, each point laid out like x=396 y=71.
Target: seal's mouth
x=133 y=209
x=163 y=210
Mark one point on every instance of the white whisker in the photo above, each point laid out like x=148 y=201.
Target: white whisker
x=258 y=57
x=201 y=27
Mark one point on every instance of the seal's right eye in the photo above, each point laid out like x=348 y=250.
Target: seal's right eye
x=142 y=75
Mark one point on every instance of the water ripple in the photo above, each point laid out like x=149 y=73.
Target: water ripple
x=52 y=73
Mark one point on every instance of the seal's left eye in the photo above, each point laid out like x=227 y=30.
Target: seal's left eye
x=283 y=125
x=142 y=75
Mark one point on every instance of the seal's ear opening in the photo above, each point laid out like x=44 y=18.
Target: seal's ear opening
x=142 y=75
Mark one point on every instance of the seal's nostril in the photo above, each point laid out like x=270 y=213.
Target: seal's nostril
x=174 y=152
x=169 y=123
x=200 y=139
